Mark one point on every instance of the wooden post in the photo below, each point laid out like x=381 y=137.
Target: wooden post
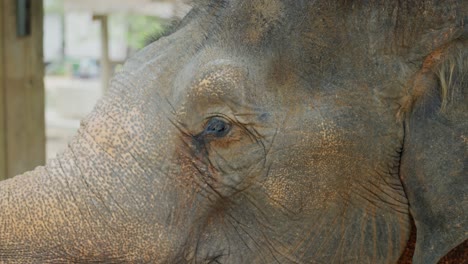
x=22 y=125
x=105 y=61
x=3 y=149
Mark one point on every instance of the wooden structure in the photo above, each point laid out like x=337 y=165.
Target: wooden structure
x=106 y=71
x=165 y=9
x=22 y=129
x=22 y=124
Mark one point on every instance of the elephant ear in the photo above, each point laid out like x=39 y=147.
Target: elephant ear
x=434 y=162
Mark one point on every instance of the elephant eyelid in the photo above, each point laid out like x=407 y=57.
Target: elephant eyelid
x=217 y=127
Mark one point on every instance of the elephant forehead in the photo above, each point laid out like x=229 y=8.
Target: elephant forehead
x=265 y=15
x=218 y=82
x=214 y=85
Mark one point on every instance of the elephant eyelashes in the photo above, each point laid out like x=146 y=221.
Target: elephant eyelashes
x=217 y=127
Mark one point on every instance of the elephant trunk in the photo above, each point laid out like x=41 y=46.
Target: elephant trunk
x=56 y=212
x=89 y=204
x=38 y=216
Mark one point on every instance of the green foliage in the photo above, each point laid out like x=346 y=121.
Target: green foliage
x=62 y=67
x=53 y=6
x=141 y=29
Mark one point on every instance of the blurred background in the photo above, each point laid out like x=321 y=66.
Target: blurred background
x=56 y=60
x=85 y=42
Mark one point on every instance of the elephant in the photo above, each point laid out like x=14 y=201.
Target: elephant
x=266 y=131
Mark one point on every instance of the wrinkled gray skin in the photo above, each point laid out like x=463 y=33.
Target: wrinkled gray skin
x=264 y=131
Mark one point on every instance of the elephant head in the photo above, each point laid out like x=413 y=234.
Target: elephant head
x=265 y=131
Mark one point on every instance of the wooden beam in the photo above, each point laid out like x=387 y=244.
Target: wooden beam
x=3 y=170
x=22 y=89
x=106 y=70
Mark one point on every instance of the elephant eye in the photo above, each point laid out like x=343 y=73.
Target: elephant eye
x=217 y=127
